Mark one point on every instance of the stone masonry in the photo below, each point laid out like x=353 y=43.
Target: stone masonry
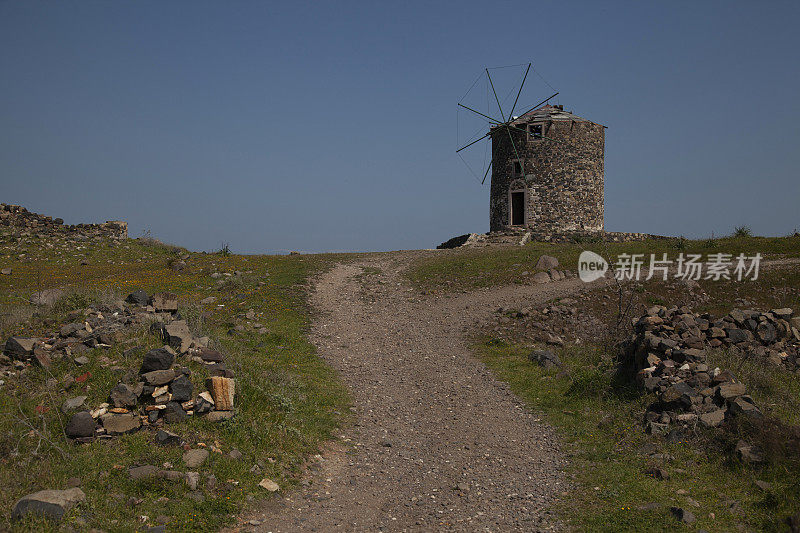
x=553 y=182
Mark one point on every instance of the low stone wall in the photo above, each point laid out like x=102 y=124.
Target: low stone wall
x=520 y=237
x=20 y=219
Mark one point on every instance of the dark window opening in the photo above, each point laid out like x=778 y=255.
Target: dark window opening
x=517 y=168
x=517 y=208
x=535 y=130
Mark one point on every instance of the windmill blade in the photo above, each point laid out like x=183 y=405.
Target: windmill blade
x=521 y=85
x=514 y=146
x=495 y=95
x=486 y=173
x=479 y=113
x=473 y=142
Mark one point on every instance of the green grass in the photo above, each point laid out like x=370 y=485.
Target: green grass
x=288 y=400
x=598 y=414
x=470 y=268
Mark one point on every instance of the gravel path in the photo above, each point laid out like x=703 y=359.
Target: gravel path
x=438 y=444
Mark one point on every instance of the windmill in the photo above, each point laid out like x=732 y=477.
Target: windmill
x=494 y=105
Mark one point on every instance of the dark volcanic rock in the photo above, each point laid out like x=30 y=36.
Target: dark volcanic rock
x=80 y=425
x=158 y=359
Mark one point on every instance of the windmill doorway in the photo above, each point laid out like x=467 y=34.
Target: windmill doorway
x=518 y=208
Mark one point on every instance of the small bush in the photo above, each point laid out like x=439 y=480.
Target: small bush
x=742 y=231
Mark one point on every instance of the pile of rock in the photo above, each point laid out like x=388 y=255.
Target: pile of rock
x=21 y=219
x=160 y=392
x=668 y=350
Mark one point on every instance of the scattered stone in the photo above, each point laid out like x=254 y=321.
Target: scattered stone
x=167 y=438
x=51 y=504
x=748 y=453
x=218 y=416
x=143 y=472
x=546 y=262
x=545 y=358
x=6 y=271
x=177 y=335
x=209 y=300
x=541 y=277
x=203 y=403
x=235 y=454
x=71 y=404
x=712 y=419
x=269 y=485
x=195 y=457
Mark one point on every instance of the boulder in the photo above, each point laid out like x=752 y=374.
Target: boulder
x=541 y=277
x=51 y=504
x=157 y=359
x=766 y=332
x=80 y=425
x=731 y=390
x=712 y=419
x=546 y=262
x=68 y=330
x=683 y=515
x=138 y=297
x=210 y=356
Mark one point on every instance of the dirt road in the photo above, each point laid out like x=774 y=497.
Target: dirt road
x=439 y=444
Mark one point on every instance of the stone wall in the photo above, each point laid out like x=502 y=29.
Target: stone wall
x=563 y=183
x=20 y=219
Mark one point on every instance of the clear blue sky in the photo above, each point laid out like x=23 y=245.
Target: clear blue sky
x=332 y=126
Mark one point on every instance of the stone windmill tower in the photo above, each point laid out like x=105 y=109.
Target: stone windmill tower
x=547 y=173
x=547 y=168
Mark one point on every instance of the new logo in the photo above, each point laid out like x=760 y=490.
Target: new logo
x=591 y=266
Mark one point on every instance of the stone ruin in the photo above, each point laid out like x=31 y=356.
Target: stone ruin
x=18 y=219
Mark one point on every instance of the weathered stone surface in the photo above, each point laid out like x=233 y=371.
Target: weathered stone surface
x=138 y=297
x=80 y=425
x=158 y=377
x=123 y=396
x=741 y=406
x=167 y=438
x=174 y=413
x=51 y=504
x=731 y=390
x=203 y=403
x=164 y=301
x=143 y=472
x=46 y=296
x=177 y=335
x=181 y=389
x=20 y=347
x=218 y=416
x=269 y=485
x=545 y=358
x=541 y=277
x=68 y=330
x=222 y=391
x=210 y=356
x=70 y=404
x=120 y=423
x=749 y=453
x=712 y=419
x=195 y=458
x=766 y=332
x=546 y=262
x=158 y=359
